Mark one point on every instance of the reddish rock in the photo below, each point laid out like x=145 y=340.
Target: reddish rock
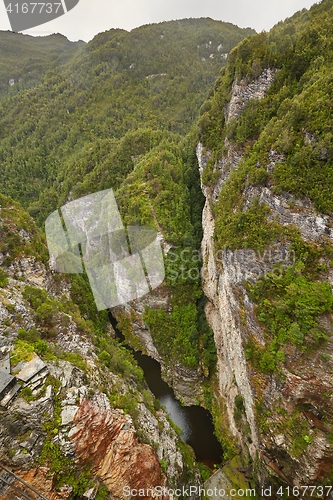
x=105 y=438
x=300 y=390
x=41 y=479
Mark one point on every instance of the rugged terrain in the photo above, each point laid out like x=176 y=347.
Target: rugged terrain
x=267 y=250
x=242 y=201
x=87 y=413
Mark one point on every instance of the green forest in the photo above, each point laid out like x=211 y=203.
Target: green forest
x=118 y=112
x=126 y=111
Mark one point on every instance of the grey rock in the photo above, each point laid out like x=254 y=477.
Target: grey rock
x=68 y=414
x=31 y=369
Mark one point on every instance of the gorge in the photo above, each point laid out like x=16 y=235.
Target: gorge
x=230 y=161
x=195 y=423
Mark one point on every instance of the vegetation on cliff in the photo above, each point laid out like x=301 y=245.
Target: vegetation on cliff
x=269 y=180
x=293 y=121
x=116 y=113
x=76 y=119
x=119 y=113
x=54 y=317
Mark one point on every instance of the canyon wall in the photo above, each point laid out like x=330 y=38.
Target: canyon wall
x=279 y=407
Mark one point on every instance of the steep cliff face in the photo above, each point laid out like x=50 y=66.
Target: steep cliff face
x=100 y=440
x=264 y=243
x=222 y=275
x=187 y=383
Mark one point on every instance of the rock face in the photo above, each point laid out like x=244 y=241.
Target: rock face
x=278 y=409
x=43 y=482
x=222 y=314
x=107 y=439
x=68 y=419
x=91 y=433
x=242 y=91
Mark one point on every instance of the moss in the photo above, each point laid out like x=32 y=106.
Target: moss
x=102 y=493
x=239 y=408
x=63 y=468
x=236 y=478
x=205 y=471
x=26 y=393
x=3 y=278
x=163 y=465
x=222 y=429
x=23 y=351
x=76 y=359
x=300 y=444
x=189 y=462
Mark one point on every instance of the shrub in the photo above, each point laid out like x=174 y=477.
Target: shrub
x=35 y=296
x=46 y=312
x=3 y=278
x=31 y=336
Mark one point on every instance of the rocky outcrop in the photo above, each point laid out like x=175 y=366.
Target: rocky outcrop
x=106 y=438
x=90 y=432
x=277 y=430
x=242 y=91
x=66 y=419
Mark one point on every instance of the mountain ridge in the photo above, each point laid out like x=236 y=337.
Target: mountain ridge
x=249 y=183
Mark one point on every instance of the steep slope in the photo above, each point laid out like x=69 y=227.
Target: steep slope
x=155 y=76
x=25 y=60
x=114 y=117
x=83 y=410
x=265 y=158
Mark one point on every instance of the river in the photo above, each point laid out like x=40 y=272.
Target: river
x=194 y=421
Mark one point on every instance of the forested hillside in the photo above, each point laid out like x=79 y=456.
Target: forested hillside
x=220 y=148
x=25 y=60
x=156 y=76
x=117 y=113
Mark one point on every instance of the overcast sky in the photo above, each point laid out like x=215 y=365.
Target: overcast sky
x=90 y=17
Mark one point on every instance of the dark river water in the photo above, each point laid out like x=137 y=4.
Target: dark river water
x=194 y=421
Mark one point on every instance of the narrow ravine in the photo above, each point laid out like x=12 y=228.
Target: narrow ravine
x=195 y=422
